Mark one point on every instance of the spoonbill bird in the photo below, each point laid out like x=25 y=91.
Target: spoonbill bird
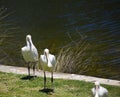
x=99 y=91
x=30 y=54
x=48 y=62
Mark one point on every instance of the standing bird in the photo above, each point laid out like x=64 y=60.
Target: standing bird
x=99 y=91
x=30 y=54
x=48 y=62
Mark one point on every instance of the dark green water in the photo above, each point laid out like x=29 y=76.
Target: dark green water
x=54 y=24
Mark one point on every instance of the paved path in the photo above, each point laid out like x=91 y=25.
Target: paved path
x=23 y=70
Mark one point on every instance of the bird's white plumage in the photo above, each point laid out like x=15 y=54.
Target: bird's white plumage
x=50 y=62
x=26 y=53
x=100 y=92
x=29 y=52
x=51 y=59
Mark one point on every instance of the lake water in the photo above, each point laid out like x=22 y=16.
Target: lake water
x=55 y=23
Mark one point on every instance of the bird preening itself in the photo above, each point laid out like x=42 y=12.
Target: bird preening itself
x=30 y=54
x=48 y=62
x=99 y=91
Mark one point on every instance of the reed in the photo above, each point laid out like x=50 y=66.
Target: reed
x=8 y=43
x=75 y=57
x=3 y=33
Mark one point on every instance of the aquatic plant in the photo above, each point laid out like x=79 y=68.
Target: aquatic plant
x=75 y=57
x=8 y=41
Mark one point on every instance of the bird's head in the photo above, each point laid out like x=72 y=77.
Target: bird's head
x=28 y=37
x=97 y=84
x=46 y=51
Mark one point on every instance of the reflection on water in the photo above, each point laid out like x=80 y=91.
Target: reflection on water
x=50 y=24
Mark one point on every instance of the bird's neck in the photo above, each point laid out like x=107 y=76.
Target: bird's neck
x=48 y=60
x=49 y=64
x=96 y=95
x=29 y=43
x=97 y=89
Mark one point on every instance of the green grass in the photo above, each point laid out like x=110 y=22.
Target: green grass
x=11 y=85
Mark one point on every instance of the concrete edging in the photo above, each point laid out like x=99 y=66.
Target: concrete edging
x=23 y=70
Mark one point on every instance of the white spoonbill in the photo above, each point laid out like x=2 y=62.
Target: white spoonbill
x=99 y=91
x=30 y=54
x=48 y=62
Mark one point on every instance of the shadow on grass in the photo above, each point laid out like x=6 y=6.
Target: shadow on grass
x=47 y=90
x=28 y=77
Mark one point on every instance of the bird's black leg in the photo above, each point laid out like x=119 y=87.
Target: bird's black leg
x=28 y=69
x=37 y=67
x=52 y=79
x=44 y=80
x=34 y=70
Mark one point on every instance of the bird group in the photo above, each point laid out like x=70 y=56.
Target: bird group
x=31 y=57
x=48 y=61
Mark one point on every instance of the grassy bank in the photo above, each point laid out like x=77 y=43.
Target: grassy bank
x=12 y=85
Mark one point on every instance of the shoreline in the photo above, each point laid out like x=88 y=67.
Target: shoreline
x=57 y=75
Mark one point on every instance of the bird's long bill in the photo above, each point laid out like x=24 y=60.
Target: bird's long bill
x=96 y=87
x=46 y=56
x=29 y=42
x=48 y=61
